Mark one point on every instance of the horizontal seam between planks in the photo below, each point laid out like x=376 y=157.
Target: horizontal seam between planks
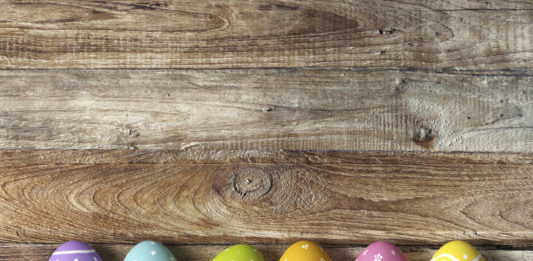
x=4 y=245
x=295 y=164
x=447 y=70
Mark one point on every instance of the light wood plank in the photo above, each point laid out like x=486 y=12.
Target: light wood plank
x=264 y=109
x=412 y=198
x=449 y=35
x=111 y=252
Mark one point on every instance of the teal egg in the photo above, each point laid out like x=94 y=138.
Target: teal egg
x=241 y=252
x=149 y=251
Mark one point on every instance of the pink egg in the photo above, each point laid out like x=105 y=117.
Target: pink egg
x=381 y=251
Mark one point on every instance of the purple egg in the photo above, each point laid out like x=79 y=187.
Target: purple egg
x=75 y=251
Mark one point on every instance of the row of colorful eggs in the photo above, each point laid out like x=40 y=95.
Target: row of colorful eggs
x=299 y=251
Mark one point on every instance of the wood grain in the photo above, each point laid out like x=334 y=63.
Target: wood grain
x=266 y=121
x=265 y=110
x=444 y=35
x=411 y=198
x=111 y=252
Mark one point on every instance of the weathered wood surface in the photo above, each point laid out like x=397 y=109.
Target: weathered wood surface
x=449 y=35
x=194 y=156
x=264 y=109
x=354 y=198
x=113 y=252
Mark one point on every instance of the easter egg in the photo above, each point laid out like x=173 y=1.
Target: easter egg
x=241 y=252
x=75 y=251
x=381 y=251
x=305 y=251
x=149 y=251
x=457 y=251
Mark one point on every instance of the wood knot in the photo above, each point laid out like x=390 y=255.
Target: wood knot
x=251 y=183
x=424 y=137
x=387 y=31
x=134 y=133
x=401 y=85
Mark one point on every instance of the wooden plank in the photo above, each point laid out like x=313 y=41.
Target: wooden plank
x=21 y=252
x=264 y=109
x=412 y=198
x=447 y=35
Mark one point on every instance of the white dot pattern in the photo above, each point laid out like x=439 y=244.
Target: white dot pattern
x=154 y=252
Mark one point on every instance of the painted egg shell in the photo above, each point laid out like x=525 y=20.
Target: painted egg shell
x=457 y=251
x=305 y=251
x=241 y=252
x=381 y=251
x=75 y=251
x=149 y=251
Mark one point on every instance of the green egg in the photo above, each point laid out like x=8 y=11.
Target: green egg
x=241 y=252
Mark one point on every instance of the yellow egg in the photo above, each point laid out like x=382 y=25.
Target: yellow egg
x=305 y=251
x=457 y=251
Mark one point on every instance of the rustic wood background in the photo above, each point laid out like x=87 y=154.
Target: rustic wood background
x=212 y=122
